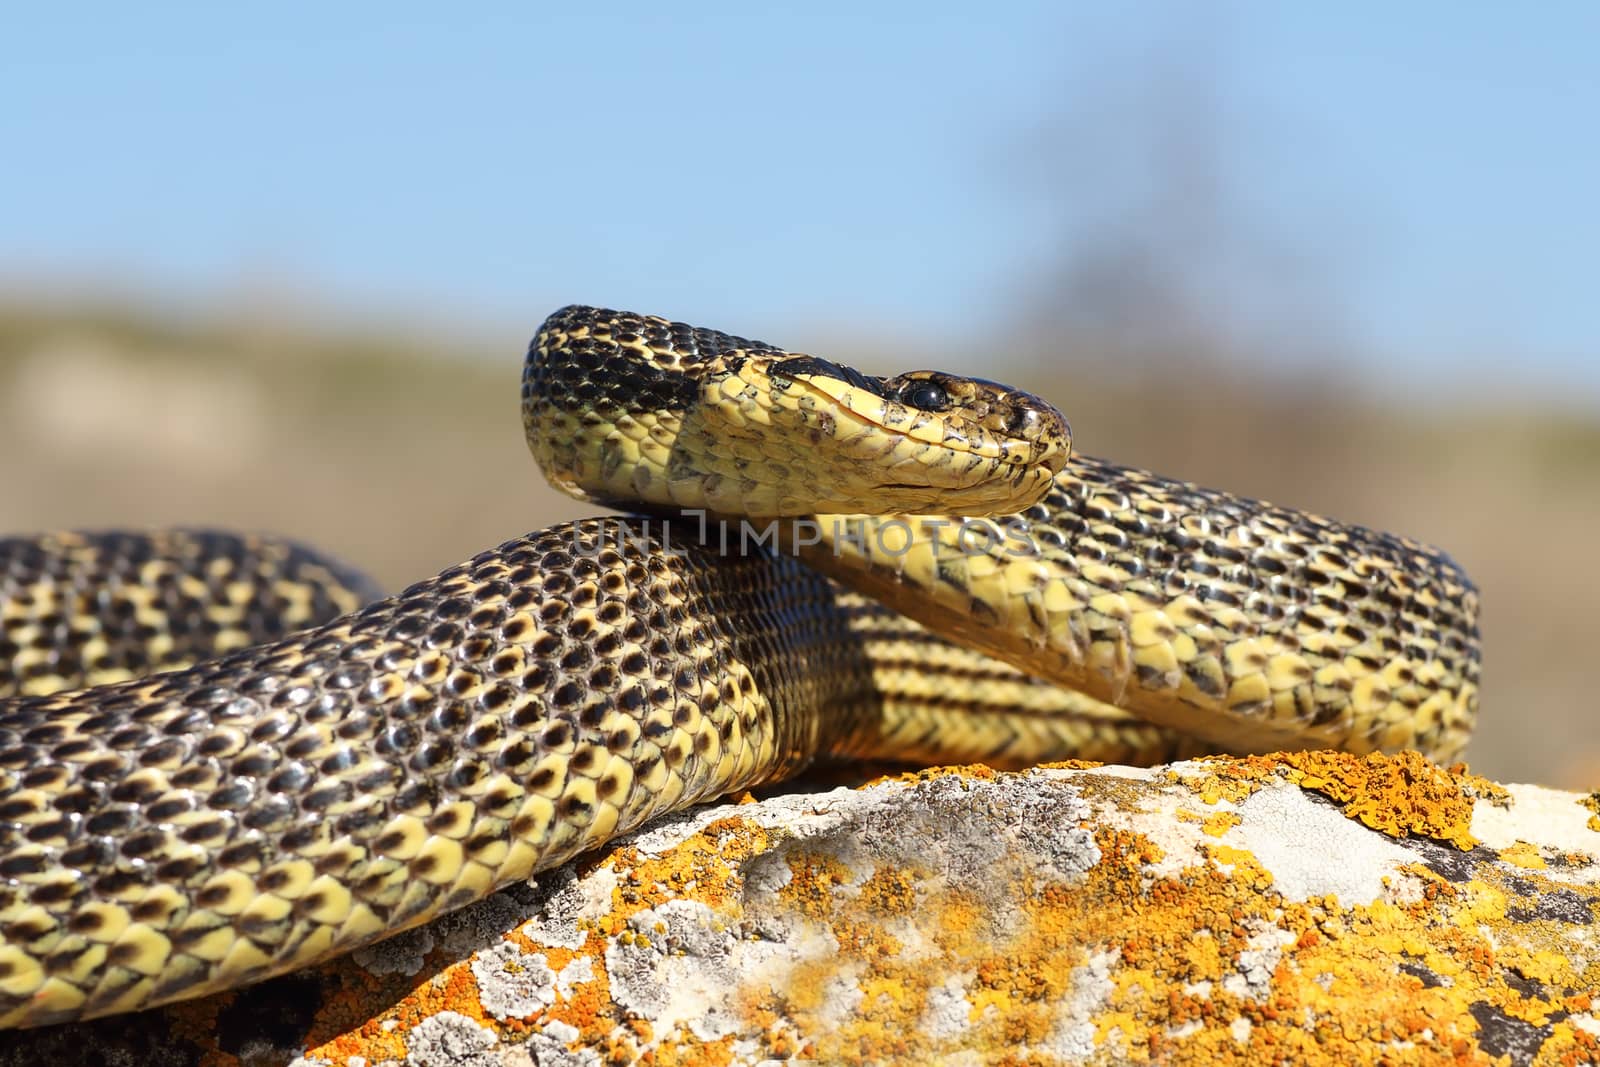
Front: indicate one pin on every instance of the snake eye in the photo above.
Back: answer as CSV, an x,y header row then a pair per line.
x,y
925,395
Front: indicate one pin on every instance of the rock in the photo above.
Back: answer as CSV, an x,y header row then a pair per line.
x,y
1305,908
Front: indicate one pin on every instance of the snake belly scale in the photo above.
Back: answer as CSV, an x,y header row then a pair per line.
x,y
168,836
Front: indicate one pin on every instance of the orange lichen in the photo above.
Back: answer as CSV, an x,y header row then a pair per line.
x,y
814,875
1183,946
1522,854
913,775
1400,795
1145,956
889,892
1168,952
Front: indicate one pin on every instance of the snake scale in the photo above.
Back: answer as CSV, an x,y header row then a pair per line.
x,y
326,774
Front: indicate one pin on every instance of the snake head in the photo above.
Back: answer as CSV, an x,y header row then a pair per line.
x,y
632,410
820,437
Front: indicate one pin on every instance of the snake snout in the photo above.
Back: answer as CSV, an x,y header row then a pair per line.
x,y
1007,413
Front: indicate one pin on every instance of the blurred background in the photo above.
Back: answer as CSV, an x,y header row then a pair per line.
x,y
276,270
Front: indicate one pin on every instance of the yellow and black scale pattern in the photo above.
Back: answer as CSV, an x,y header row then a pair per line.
x,y
165,837
84,609
1250,626
200,829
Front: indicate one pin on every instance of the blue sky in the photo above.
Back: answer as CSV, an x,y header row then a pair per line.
x,y
1426,173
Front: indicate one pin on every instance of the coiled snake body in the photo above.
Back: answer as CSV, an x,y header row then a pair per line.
x,y
312,791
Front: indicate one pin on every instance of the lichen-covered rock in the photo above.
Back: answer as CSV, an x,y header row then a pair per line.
x,y
1308,908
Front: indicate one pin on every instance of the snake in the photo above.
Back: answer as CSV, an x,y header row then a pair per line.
x,y
225,757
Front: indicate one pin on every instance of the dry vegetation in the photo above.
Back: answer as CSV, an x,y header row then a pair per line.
x,y
406,456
